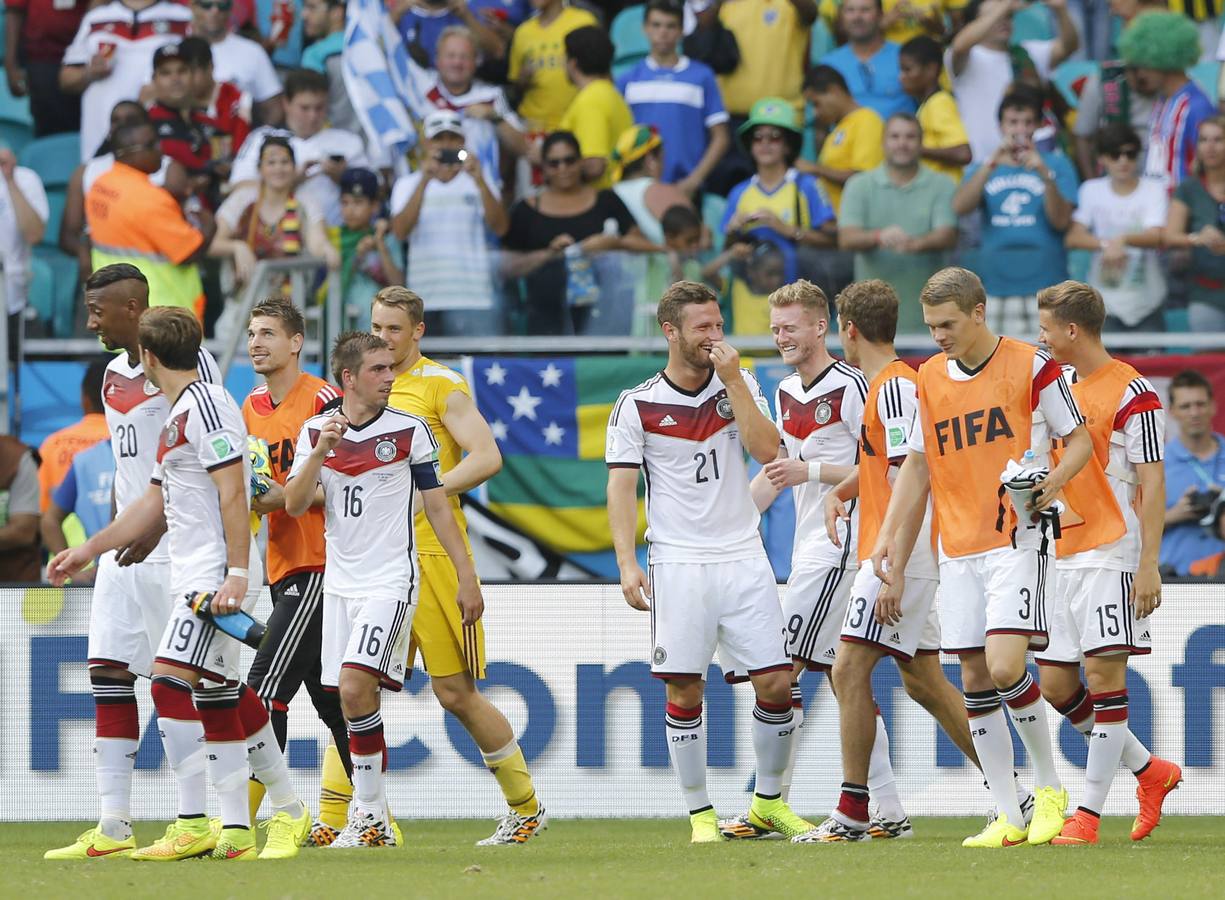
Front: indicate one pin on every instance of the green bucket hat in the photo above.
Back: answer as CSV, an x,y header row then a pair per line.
x,y
771,111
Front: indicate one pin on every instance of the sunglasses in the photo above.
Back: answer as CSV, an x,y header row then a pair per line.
x,y
768,137
558,161
215,4
1125,153
139,148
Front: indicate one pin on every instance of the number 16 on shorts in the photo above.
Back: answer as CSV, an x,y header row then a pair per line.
x,y
367,634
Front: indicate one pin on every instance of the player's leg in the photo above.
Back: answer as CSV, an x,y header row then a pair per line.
x,y
857,715
336,771
454,656
226,744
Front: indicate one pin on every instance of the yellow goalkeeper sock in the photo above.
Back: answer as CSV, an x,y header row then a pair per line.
x,y
335,790
255,796
510,769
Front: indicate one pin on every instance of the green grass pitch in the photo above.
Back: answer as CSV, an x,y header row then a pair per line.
x,y
644,859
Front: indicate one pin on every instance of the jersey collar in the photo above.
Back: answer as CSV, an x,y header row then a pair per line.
x,y
680,390
982,365
369,421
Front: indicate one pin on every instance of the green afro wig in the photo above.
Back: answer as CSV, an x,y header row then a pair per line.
x,y
1168,42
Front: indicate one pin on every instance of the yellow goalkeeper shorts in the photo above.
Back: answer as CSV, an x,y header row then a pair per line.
x,y
447,646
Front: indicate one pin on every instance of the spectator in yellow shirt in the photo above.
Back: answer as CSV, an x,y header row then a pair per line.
x,y
946,146
538,62
855,133
597,115
902,19
773,39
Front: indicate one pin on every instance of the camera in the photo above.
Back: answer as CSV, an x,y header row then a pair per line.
x,y
1201,501
452,157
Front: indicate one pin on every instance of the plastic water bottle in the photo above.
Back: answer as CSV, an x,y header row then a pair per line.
x,y
1028,459
581,287
237,625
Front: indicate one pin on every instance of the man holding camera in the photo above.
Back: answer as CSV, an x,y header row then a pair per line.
x,y
443,209
1194,473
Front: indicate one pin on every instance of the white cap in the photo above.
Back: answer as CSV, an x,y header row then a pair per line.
x,y
442,121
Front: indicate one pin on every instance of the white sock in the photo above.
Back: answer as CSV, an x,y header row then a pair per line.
x,y
1023,793
368,785
1079,711
881,785
1028,712
227,767
686,735
1105,749
993,743
114,759
267,762
797,721
773,734
183,742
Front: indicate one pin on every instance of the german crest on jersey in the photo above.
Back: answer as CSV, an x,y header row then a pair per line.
x,y
172,433
824,412
724,408
385,451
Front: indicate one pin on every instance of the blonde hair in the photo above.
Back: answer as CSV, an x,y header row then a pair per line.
x,y
802,293
872,306
401,298
1075,303
956,285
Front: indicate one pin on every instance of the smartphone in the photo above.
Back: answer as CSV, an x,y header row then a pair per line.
x,y
452,157
337,157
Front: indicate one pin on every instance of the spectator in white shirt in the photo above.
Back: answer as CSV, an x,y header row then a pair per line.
x,y
322,154
23,217
111,58
1121,218
445,211
238,59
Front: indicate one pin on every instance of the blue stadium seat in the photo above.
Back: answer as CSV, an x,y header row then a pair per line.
x,y
821,41
713,207
1032,23
1205,75
54,158
64,287
14,109
15,135
42,290
629,42
1068,73
56,198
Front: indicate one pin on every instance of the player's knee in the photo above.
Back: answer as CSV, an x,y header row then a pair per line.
x,y
111,673
918,688
852,668
1006,672
358,696
773,687
688,693
455,696
1102,680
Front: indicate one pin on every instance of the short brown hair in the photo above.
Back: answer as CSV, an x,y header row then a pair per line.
x,y
680,295
349,349
173,335
872,306
283,311
1075,303
401,298
956,285
805,294
1189,379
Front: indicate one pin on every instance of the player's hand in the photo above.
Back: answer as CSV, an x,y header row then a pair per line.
x,y
835,509
1146,591
726,361
229,596
140,548
67,563
635,587
331,433
889,600
785,473
269,501
882,556
1046,492
471,603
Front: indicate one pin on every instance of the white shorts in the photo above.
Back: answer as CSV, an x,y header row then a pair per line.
x,y
1092,615
128,614
917,632
814,607
190,642
729,606
1000,592
371,635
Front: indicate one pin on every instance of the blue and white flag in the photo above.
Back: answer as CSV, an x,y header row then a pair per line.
x,y
377,76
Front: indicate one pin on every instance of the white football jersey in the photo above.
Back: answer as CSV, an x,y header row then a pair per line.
x,y
820,422
897,406
135,411
699,508
369,482
204,432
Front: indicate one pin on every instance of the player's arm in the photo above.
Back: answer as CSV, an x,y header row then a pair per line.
x,y
623,523
52,526
762,489
482,459
142,516
757,432
1076,453
1063,418
903,518
302,487
438,512
835,504
1146,588
230,481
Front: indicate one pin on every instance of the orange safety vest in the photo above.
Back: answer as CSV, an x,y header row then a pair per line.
x,y
971,429
1088,494
874,486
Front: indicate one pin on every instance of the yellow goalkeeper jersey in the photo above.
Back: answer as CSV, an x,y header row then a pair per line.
x,y
423,391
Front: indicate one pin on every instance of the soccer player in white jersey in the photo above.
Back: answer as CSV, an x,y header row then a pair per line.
x,y
983,401
199,489
1106,580
371,460
131,596
710,584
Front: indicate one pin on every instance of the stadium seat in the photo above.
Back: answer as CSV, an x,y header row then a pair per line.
x,y
713,207
1068,74
1205,75
14,109
1032,23
64,288
628,40
54,158
41,296
821,41
56,199
15,135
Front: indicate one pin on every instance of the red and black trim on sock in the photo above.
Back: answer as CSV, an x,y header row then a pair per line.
x,y
1022,694
853,802
366,735
1077,709
981,703
116,714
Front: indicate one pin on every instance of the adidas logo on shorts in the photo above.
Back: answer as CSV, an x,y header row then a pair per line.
x,y
895,638
666,421
292,591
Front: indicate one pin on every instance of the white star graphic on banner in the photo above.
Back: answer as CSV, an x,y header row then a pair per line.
x,y
499,429
551,376
553,433
525,403
495,374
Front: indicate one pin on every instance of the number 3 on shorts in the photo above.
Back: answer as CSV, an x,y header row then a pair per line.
x,y
1025,597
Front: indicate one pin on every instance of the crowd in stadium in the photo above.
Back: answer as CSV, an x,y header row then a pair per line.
x,y
571,161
